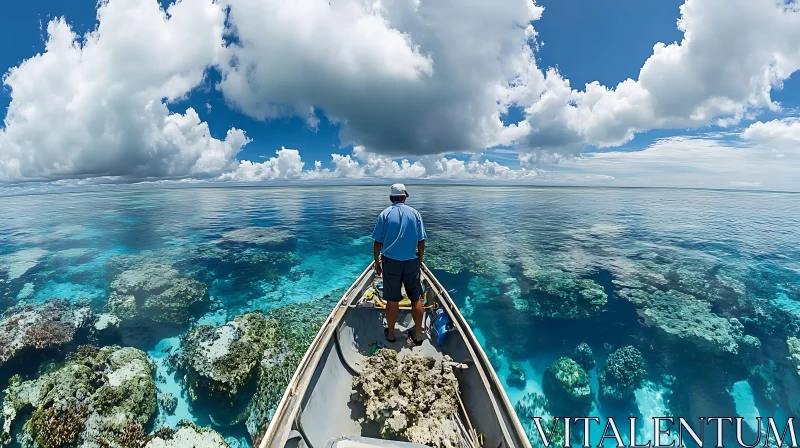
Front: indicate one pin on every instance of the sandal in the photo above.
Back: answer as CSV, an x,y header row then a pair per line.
x,y
386,333
412,339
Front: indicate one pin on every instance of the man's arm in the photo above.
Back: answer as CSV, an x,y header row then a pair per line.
x,y
376,253
378,235
421,236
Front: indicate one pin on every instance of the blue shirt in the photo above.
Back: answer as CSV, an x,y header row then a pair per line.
x,y
399,229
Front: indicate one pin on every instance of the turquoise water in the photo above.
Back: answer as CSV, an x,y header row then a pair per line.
x,y
514,259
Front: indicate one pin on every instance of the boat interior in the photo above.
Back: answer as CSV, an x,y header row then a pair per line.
x,y
318,409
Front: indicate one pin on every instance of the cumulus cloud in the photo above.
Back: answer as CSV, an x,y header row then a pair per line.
x,y
364,165
733,53
780,135
94,105
286,164
402,77
439,94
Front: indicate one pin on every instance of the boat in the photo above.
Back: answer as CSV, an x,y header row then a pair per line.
x,y
315,411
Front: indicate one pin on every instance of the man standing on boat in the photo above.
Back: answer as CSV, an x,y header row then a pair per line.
x,y
399,246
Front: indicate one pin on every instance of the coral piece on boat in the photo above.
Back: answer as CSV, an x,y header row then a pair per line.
x,y
187,435
411,398
517,377
51,325
89,402
622,374
158,293
685,317
583,356
567,387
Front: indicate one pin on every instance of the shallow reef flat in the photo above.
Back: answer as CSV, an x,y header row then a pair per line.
x,y
607,302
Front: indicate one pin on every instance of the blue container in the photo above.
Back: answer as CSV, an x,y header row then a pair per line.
x,y
440,324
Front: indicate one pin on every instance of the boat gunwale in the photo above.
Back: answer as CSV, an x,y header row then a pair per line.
x,y
492,383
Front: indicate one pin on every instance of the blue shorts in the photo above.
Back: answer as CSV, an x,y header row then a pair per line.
x,y
405,273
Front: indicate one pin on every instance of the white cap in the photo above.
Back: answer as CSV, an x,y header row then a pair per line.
x,y
399,190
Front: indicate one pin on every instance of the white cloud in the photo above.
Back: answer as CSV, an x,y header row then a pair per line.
x,y
696,161
734,52
363,164
402,77
439,93
92,106
286,165
778,134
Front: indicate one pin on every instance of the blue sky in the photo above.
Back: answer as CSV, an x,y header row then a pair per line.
x,y
599,40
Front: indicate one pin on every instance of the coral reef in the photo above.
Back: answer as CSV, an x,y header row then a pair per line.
x,y
298,324
567,388
17,264
455,253
221,362
794,352
621,375
89,402
703,277
186,435
264,237
484,290
242,264
106,323
238,371
33,328
535,405
158,293
764,379
583,356
274,373
559,294
410,397
168,403
685,317
517,376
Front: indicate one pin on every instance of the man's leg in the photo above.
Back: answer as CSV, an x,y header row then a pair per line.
x,y
392,281
392,311
412,282
417,312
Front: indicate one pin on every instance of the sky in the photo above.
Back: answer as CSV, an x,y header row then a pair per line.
x,y
683,93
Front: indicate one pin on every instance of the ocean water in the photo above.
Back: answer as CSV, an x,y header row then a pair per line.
x,y
519,262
